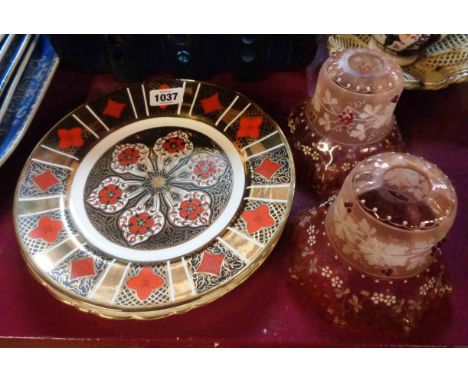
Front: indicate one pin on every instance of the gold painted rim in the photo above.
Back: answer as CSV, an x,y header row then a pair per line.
x,y
200,299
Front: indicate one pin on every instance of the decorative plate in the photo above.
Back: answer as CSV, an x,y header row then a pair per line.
x,y
155,199
439,65
29,86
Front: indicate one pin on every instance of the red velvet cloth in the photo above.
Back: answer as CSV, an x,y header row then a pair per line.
x,y
266,310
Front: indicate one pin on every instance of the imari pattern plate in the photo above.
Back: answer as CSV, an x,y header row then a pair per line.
x,y
154,199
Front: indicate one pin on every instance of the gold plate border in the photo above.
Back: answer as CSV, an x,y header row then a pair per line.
x,y
198,300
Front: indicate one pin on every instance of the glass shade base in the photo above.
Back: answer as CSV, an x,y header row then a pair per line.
x,y
348,297
324,163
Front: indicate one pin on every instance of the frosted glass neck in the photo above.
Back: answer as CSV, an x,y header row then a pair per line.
x,y
390,213
356,94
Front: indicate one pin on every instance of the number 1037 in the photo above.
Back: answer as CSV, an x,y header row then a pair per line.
x,y
165,97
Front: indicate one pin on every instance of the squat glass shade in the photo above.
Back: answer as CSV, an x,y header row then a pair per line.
x,y
371,255
349,118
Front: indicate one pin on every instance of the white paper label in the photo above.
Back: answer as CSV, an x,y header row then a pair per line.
x,y
164,97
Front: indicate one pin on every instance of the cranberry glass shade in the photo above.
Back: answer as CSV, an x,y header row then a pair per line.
x,y
349,118
371,253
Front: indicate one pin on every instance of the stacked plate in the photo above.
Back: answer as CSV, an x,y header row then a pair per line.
x,y
154,199
27,64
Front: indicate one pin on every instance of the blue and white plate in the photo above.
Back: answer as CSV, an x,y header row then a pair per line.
x,y
25,90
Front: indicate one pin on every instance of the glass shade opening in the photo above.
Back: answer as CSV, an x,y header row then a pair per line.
x,y
366,64
407,197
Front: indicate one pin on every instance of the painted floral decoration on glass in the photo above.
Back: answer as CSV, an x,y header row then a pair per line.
x,y
358,120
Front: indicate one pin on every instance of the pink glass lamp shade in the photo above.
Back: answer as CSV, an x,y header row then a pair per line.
x,y
349,118
371,254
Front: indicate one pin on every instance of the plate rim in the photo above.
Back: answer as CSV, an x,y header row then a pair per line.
x,y
174,307
27,123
